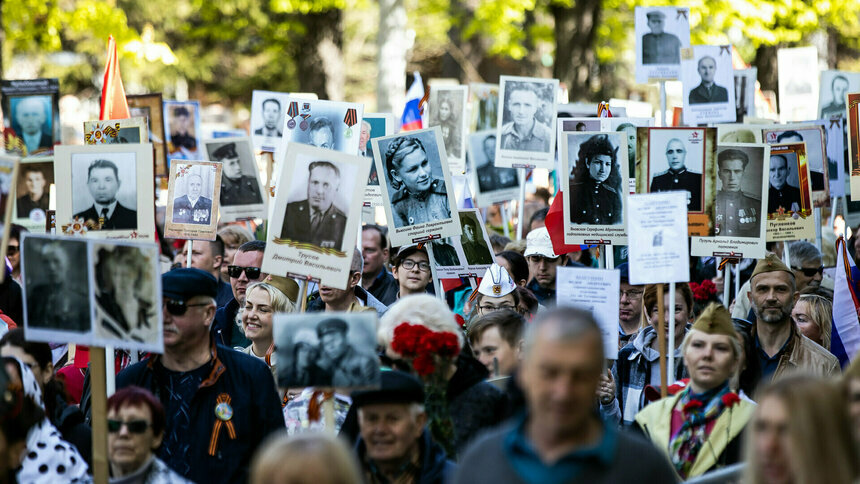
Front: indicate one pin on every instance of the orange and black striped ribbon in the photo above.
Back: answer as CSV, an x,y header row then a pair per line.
x,y
351,117
728,260
216,428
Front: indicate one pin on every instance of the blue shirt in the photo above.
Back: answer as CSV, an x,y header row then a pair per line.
x,y
526,461
768,364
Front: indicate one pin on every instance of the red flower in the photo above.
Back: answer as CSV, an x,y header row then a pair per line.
x,y
692,405
423,365
731,398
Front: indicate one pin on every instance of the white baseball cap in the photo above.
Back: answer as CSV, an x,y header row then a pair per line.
x,y
496,282
539,243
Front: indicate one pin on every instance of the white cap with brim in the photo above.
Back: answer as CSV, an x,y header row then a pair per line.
x,y
496,282
539,243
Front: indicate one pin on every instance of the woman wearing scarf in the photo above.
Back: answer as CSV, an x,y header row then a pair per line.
x,y
700,426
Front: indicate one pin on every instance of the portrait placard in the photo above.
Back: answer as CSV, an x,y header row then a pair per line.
x,y
789,200
316,215
325,124
150,107
741,203
469,254
740,133
242,195
661,33
447,106
492,184
109,193
182,125
115,131
8,180
835,85
595,291
656,222
193,191
572,125
484,103
595,164
326,350
374,125
797,69
31,116
526,138
708,80
418,205
813,136
680,159
628,126
33,192
267,119
853,103
745,88
837,153
125,295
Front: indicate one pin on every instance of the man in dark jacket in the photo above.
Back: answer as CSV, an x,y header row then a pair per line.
x,y
375,278
244,272
353,298
395,445
220,404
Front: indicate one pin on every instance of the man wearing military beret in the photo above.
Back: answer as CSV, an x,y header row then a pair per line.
x,y
659,47
347,366
236,188
316,220
192,208
595,197
738,214
677,177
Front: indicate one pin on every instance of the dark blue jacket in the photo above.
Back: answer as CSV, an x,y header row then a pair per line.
x,y
436,468
224,330
254,400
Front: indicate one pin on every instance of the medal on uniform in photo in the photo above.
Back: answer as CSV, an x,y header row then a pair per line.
x,y
306,113
224,411
292,112
350,120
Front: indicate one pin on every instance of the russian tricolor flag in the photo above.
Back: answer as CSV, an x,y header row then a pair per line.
x,y
845,336
411,118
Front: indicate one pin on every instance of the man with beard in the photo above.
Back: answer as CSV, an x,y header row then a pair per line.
x,y
780,348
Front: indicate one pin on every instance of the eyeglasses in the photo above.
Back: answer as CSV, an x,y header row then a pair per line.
x,y
178,308
409,264
236,272
537,259
11,249
133,426
489,309
631,293
809,271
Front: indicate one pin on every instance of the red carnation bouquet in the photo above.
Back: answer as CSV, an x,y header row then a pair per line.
x,y
703,292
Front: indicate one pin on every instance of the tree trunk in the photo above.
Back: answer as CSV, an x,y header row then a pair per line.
x,y
463,57
575,31
319,55
392,45
765,61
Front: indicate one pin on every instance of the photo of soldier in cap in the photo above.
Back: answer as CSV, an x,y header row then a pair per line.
x,y
595,179
658,46
239,178
55,285
661,34
316,219
738,203
475,248
183,126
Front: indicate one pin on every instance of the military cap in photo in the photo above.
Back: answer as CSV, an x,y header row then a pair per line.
x,y
395,387
715,319
496,282
771,263
331,325
183,284
289,287
655,13
226,151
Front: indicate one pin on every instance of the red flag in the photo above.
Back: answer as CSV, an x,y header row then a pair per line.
x,y
555,226
114,104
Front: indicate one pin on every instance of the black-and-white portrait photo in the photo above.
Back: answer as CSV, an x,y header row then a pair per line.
x,y
595,180
193,191
528,116
373,126
318,203
445,252
661,33
676,162
745,85
268,119
474,245
629,130
33,189
784,184
707,91
415,176
659,46
324,124
128,304
32,122
813,136
326,350
490,177
105,189
273,121
55,285
183,129
484,99
240,183
739,199
448,111
834,86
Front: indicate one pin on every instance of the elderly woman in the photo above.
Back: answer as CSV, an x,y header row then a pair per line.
x,y
595,184
813,316
262,301
419,197
699,427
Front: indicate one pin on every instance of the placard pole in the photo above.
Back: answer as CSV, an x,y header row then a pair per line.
x,y
99,415
786,258
737,280
663,104
610,257
670,355
727,285
303,297
661,339
601,258
817,214
190,249
110,373
328,415
521,202
504,213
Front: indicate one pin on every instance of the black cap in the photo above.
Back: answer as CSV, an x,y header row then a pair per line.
x,y
226,151
330,326
625,271
395,387
183,284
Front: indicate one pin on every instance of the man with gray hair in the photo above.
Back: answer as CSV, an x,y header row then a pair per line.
x,y
317,220
806,264
561,438
353,298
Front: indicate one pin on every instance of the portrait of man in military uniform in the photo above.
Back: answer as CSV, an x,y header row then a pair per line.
x,y
345,365
595,184
491,177
193,208
183,143
836,107
678,177
271,119
813,151
474,246
316,220
57,296
444,253
738,213
417,188
779,193
36,191
522,129
658,46
237,188
708,92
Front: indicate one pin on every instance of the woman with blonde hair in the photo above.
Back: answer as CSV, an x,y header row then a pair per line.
x,y
800,433
314,457
813,315
262,301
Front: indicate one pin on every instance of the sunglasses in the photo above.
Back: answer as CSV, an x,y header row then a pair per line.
x,y
810,272
11,249
133,426
178,308
236,272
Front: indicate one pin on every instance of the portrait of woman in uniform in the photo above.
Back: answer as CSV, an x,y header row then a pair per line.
x,y
416,182
595,180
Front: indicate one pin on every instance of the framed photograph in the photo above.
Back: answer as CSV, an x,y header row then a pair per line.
x,y
125,295
150,107
595,165
33,189
708,78
661,33
241,195
466,255
745,86
31,115
484,103
447,106
316,215
192,200
56,302
526,138
741,203
492,184
813,136
835,85
325,124
853,124
267,119
182,125
572,125
418,204
115,131
629,127
836,149
374,125
326,350
797,69
110,190
681,159
789,199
